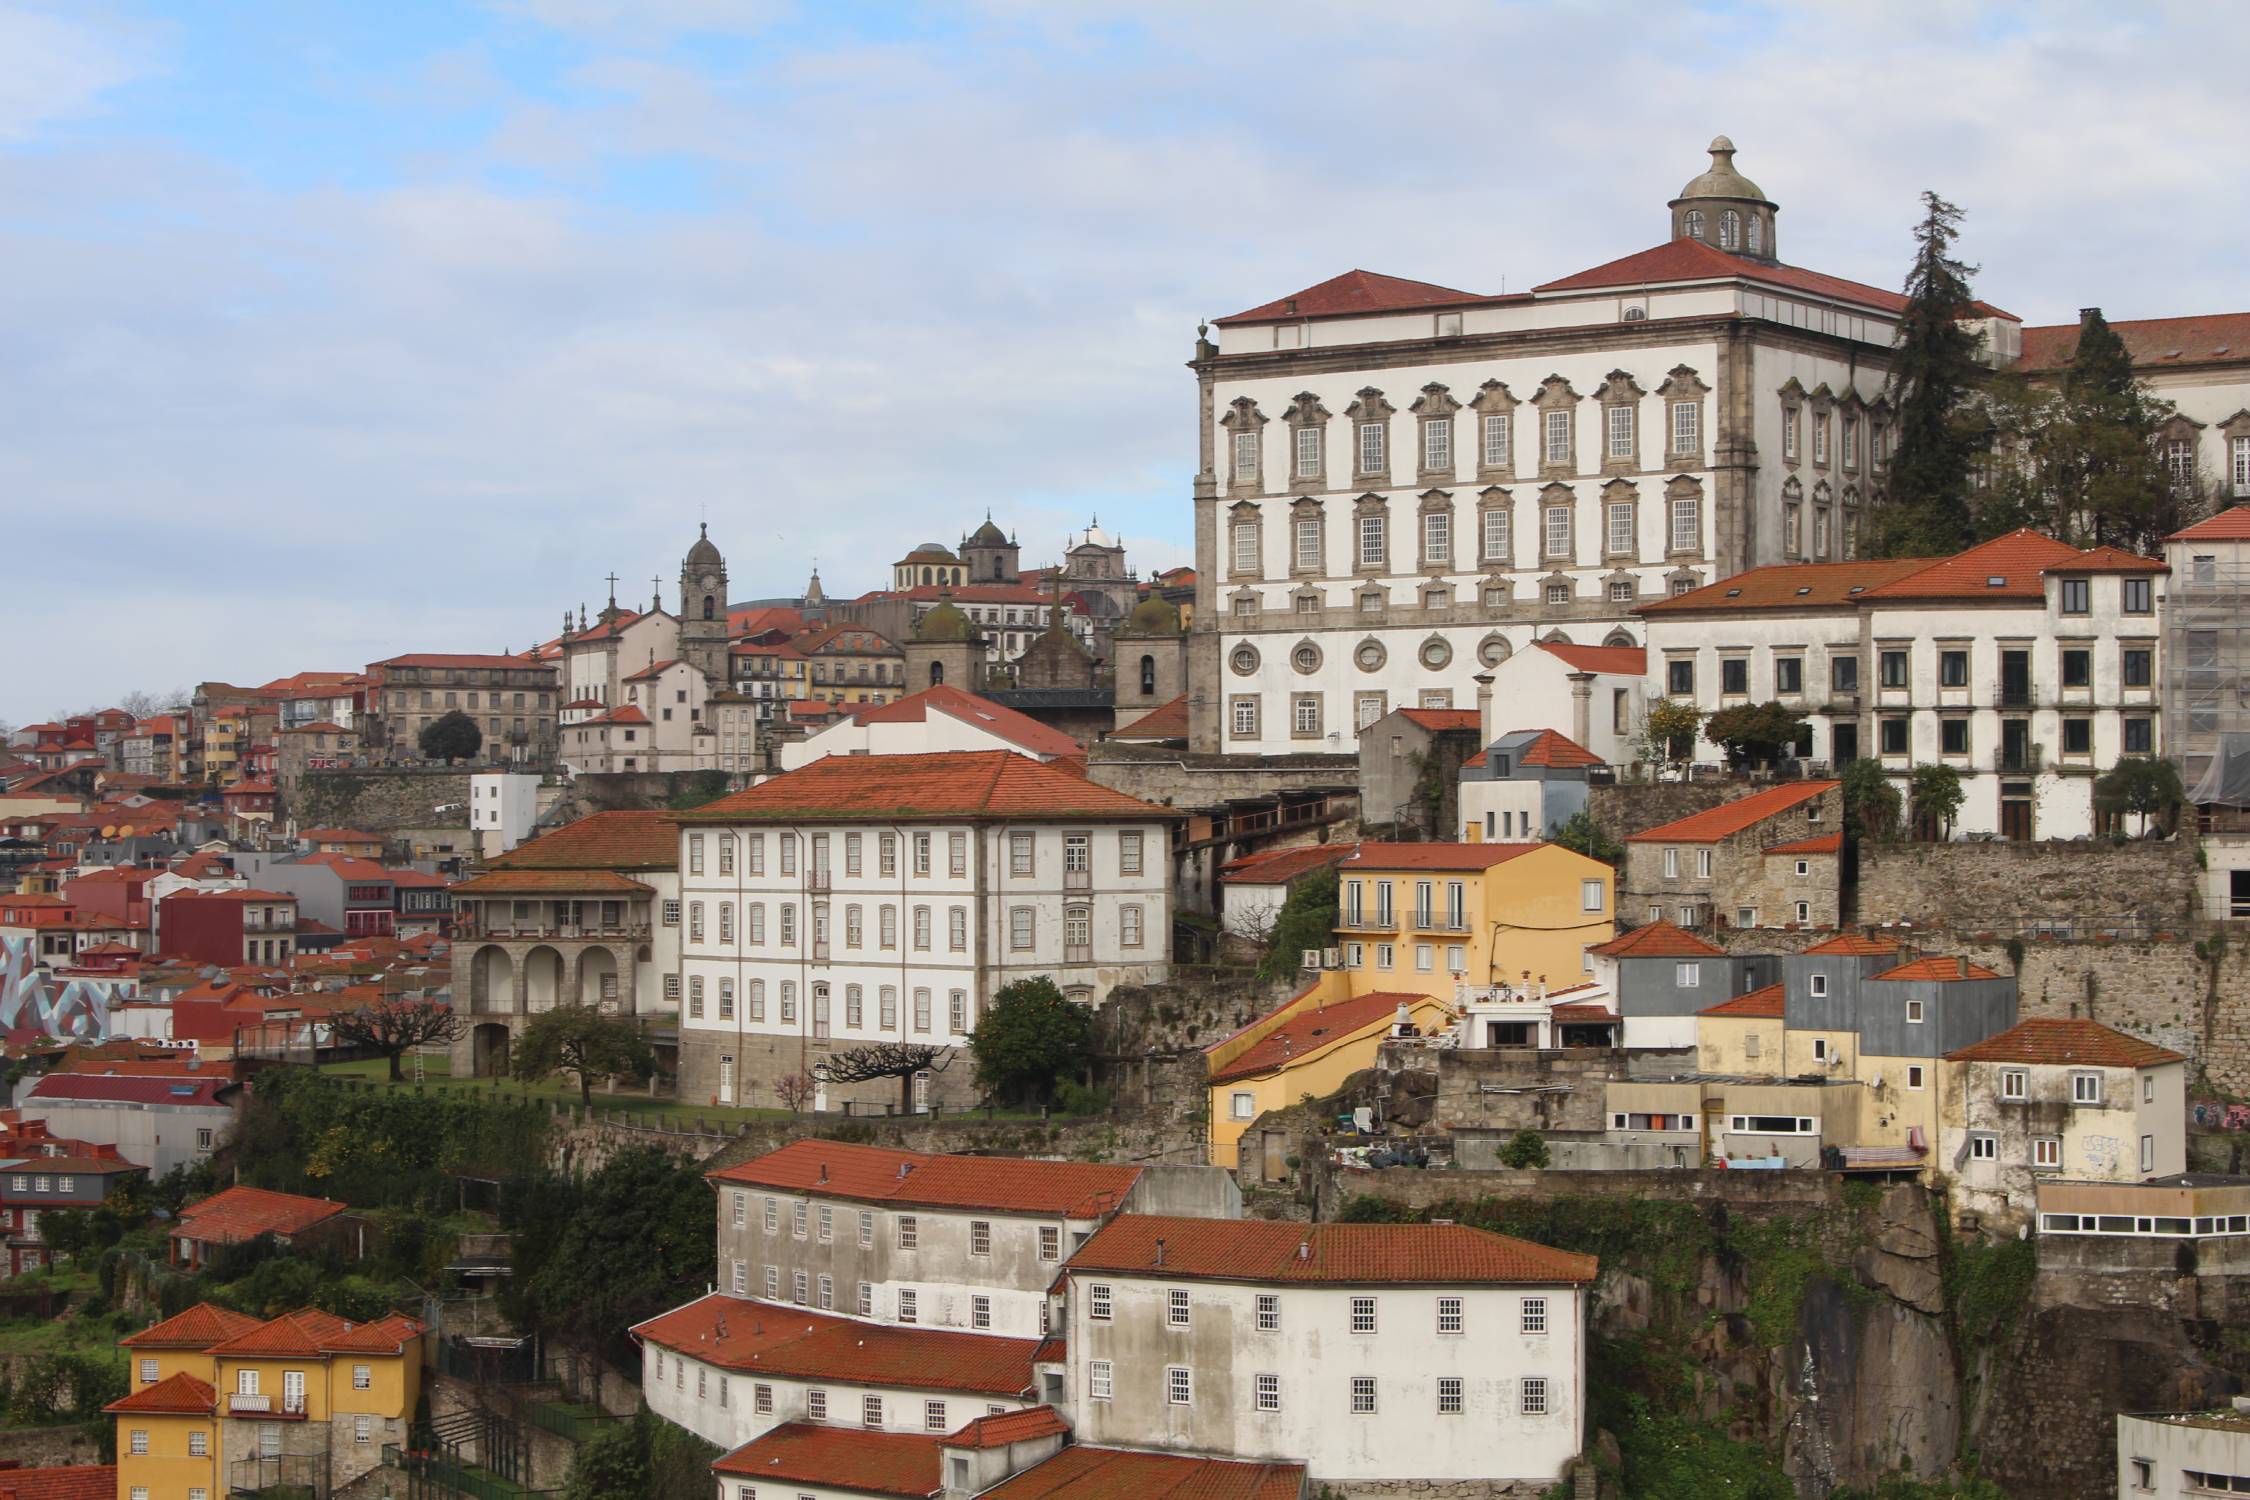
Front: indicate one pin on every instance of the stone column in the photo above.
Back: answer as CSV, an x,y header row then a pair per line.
x,y
1582,706
1485,731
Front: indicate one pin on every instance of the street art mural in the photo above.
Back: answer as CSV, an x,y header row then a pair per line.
x,y
33,1005
2217,1114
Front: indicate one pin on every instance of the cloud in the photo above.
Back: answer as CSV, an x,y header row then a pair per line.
x,y
59,66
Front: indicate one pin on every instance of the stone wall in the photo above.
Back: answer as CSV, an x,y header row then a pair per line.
x,y
1742,874
389,800
1626,807
1183,778
1740,1191
41,1447
1998,885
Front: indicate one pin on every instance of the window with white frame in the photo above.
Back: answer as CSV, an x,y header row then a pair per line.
x,y
1268,1392
1620,431
1098,1380
1098,1301
1558,531
1437,443
1437,537
1534,1396
1496,539
1558,437
1308,452
1449,1315
1495,435
2046,1152
1246,547
1687,418
1176,1307
1246,455
2085,1088
1179,1386
1620,514
1449,1395
1363,1395
871,1411
1534,1315
2015,1083
1371,457
1687,524
1371,541
1363,1315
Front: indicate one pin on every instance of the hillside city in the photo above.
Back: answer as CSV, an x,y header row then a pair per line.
x,y
1659,912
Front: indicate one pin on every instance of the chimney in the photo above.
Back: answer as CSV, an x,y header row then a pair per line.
x,y
1963,961
1304,1249
1160,1252
903,1169
1484,706
2087,315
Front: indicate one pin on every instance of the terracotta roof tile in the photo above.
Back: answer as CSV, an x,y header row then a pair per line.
x,y
2019,561
738,1333
877,1174
2229,525
2065,1040
1354,292
181,1395
452,659
61,1482
1937,969
1581,1014
2153,343
983,713
199,1327
1083,1473
842,1458
1658,939
1760,1005
305,1332
1856,945
1826,843
1379,856
1546,748
950,784
1168,721
1791,586
1730,818
1613,661
1696,260
1308,1031
243,1213
598,882
1280,866
100,1086
2110,560
1009,1427
1438,720
1273,1250
631,840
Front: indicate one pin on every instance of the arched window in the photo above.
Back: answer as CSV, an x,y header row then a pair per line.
x,y
1148,676
927,577
1755,240
1692,222
1730,230
710,606
937,673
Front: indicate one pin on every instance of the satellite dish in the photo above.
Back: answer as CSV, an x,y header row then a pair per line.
x,y
109,830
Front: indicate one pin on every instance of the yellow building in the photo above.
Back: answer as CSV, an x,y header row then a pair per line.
x,y
223,1401
1426,917
1306,1047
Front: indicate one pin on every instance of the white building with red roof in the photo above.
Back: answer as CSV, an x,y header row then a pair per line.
x,y
1590,695
939,718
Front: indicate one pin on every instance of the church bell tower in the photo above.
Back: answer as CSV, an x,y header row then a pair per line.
x,y
703,610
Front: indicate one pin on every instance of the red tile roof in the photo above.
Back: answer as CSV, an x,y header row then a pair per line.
x,y
2111,560
1437,720
349,867
1083,1473
2062,1039
1377,856
452,659
1658,939
950,784
1939,969
599,882
1581,1014
243,1213
162,1090
2229,525
1276,1250
1759,1005
1614,661
179,1395
1826,843
2020,561
877,1174
1354,292
632,840
2153,343
1730,818
1280,866
199,1327
983,713
844,1458
1791,586
628,715
304,1333
1308,1031
1855,945
60,1482
1168,721
738,1333
1547,748
1009,1427
1696,260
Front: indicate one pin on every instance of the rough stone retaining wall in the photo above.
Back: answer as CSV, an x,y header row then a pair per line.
x,y
1629,807
39,1447
1995,884
1422,1189
381,801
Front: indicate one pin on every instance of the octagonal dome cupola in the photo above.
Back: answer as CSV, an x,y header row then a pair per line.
x,y
1725,209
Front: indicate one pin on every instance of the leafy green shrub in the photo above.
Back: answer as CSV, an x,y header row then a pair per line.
x,y
1526,1148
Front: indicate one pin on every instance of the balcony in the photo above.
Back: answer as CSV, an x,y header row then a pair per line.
x,y
2007,693
1429,921
243,1403
1363,921
2020,760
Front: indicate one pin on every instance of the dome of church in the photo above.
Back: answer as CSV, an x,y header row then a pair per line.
x,y
988,535
703,553
1722,180
1095,536
1153,616
945,623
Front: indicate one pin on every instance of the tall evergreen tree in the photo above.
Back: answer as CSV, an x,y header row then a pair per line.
x,y
2125,499
1926,512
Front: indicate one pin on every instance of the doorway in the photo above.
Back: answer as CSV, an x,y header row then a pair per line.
x,y
2015,811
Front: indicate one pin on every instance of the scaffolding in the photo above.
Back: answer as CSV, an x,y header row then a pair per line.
x,y
2207,668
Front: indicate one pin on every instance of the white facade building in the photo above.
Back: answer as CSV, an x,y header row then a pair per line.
x,y
2177,1455
865,900
936,719
503,807
1591,695
1368,1352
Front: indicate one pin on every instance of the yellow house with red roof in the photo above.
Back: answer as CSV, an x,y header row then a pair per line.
x,y
1305,1048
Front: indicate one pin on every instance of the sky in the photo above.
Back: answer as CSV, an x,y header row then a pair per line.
x,y
332,330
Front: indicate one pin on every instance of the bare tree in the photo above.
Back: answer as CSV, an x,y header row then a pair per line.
x,y
900,1060
794,1090
394,1025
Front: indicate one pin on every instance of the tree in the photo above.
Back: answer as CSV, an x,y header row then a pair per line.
x,y
450,737
1668,729
1031,1035
1755,732
1307,920
2145,785
1526,1148
1924,511
1870,801
633,1240
2080,461
641,1457
581,1040
900,1060
393,1026
795,1090
1589,838
1934,793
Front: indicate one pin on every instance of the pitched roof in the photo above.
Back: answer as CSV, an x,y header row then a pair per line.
x,y
993,718
1354,292
1437,720
1082,1473
2158,343
1658,939
503,882
181,1395
60,1482
844,1458
1614,661
2229,525
1759,1005
2064,1039
304,1332
1007,1427
199,1327
1730,818
1380,856
740,1333
947,784
1544,748
452,659
1855,945
2013,566
2107,559
110,1089
878,1174
629,714
1168,721
1278,1250
1280,866
1309,1031
243,1213
1937,968
1698,260
1791,586
1826,843
629,840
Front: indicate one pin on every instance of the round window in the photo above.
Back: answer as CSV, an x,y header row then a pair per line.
x,y
1306,658
1492,650
1436,653
1370,656
1244,660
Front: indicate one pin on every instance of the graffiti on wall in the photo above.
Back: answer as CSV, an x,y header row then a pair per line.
x,y
2212,1114
33,1005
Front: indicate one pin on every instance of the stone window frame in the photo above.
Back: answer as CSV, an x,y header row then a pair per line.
x,y
2235,429
1436,596
1437,645
1242,596
2177,428
1237,665
1369,407
1683,487
1380,697
1242,417
1492,583
1302,645
1319,717
1436,405
1235,703
1684,387
1820,405
1822,539
1359,654
1879,421
1246,513
1851,414
1793,399
1376,592
1613,578
1490,499
1555,395
1493,399
1792,518
1621,492
1486,656
1619,390
1552,497
1674,580
1435,503
1558,576
1303,413
1302,592
1366,506
1301,510
1620,636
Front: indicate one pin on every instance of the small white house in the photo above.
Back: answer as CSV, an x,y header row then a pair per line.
x,y
935,719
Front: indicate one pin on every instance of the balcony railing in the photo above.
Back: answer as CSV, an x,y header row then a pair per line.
x,y
1366,921
265,1405
2022,760
2006,694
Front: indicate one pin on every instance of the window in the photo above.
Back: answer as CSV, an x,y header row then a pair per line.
x,y
363,1428
1496,540
1620,432
1307,531
1558,437
1246,547
363,1377
1984,1147
1448,1315
1269,1312
1687,524
1308,452
1176,1307
199,1445
1371,448
2085,1088
1437,443
1363,1314
1892,665
695,997
148,1372
933,1417
1246,455
1558,531
1952,670
1620,536
1179,1386
1789,432
2015,1083
1098,1381
138,1442
1268,1392
1449,1395
2078,736
2077,596
870,1411
1953,736
1534,1395
866,1299
1686,428
1679,677
909,1308
1097,1302
908,1232
800,1287
2139,595
1363,1395
1687,976
1437,538
2148,1153
2077,668
2137,667
1371,541
2046,1152
1495,440
1914,1012
1914,1076
1843,674
1890,736
1734,677
1789,675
